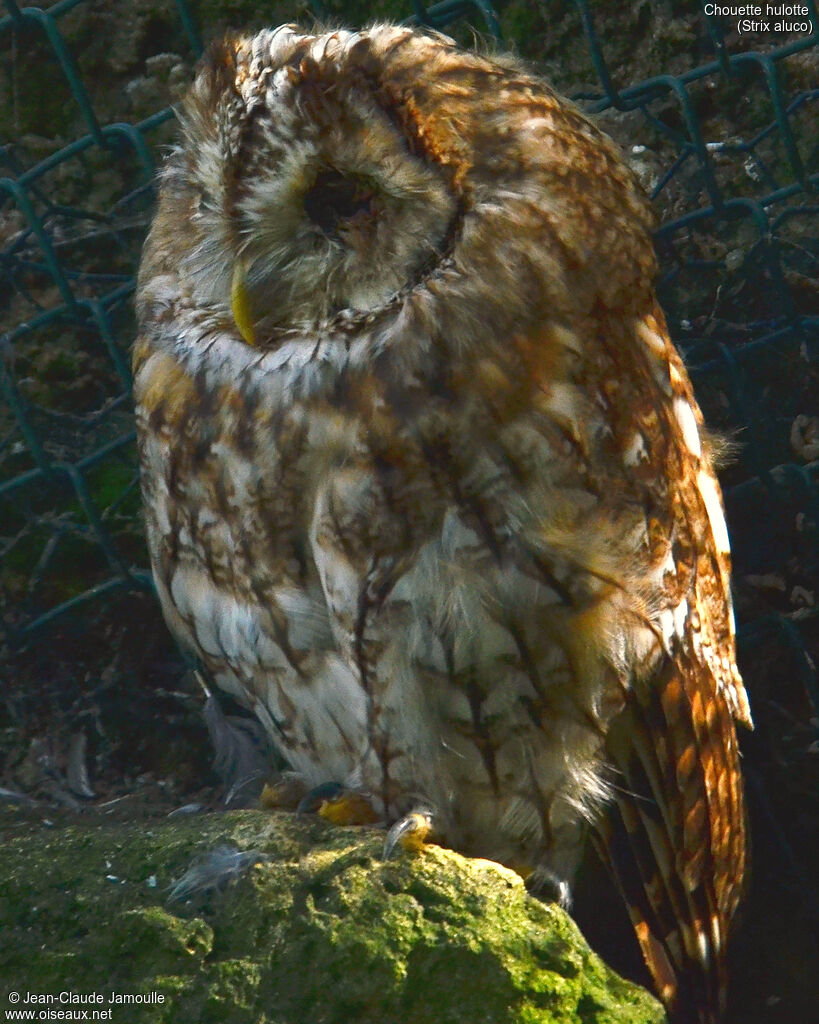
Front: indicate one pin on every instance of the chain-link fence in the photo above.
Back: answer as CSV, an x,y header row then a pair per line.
x,y
728,152
719,121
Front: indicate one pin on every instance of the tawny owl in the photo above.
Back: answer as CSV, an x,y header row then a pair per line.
x,y
425,481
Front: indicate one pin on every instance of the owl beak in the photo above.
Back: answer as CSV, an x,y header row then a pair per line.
x,y
240,303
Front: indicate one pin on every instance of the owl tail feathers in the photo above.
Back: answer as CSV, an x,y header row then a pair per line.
x,y
691,989
664,840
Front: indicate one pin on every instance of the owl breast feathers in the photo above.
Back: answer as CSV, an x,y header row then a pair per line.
x,y
426,485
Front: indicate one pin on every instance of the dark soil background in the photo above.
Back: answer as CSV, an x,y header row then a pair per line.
x,y
99,715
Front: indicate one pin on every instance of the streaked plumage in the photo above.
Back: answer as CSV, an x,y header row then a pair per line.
x,y
425,481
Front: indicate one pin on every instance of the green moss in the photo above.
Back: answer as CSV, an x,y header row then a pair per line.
x,y
319,930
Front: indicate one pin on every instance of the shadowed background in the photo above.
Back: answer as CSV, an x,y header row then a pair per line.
x,y
97,708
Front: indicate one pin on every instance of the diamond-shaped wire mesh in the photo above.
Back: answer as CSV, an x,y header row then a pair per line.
x,y
727,149
720,126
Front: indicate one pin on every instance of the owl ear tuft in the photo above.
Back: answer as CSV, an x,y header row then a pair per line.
x,y
215,81
217,66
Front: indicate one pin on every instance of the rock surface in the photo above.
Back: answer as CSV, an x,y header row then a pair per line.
x,y
308,926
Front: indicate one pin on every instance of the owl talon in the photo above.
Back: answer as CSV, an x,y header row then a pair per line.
x,y
338,804
411,832
550,887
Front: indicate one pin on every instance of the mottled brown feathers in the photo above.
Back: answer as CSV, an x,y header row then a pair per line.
x,y
442,512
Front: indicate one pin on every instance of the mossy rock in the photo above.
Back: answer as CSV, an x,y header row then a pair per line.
x,y
316,929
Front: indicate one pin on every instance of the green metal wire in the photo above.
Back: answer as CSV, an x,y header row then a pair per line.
x,y
47,21
50,460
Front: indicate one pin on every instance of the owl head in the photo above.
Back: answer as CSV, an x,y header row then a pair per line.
x,y
386,168
313,182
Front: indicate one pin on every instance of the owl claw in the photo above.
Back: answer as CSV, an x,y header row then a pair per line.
x,y
411,832
338,804
550,887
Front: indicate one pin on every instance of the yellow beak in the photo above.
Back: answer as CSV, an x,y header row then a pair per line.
x,y
240,304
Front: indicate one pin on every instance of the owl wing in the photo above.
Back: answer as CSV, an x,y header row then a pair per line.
x,y
674,836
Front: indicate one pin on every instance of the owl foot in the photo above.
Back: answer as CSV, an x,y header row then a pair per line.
x,y
411,832
339,805
285,793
